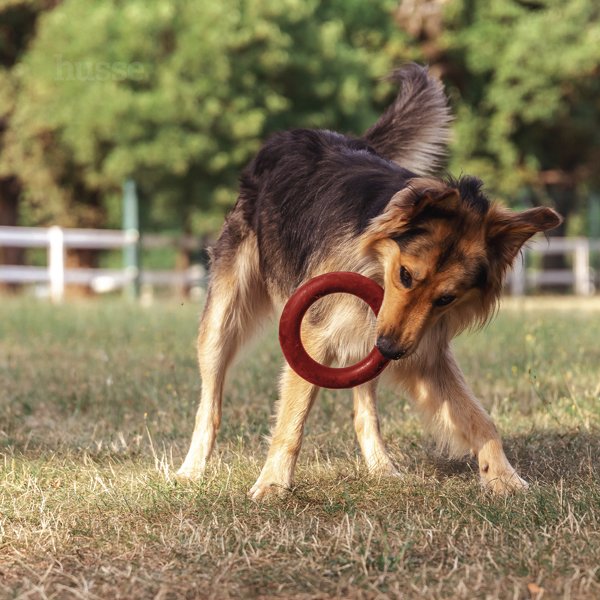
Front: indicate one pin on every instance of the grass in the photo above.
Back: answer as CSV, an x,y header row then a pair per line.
x,y
96,409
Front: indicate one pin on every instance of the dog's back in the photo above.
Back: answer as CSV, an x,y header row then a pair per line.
x,y
308,190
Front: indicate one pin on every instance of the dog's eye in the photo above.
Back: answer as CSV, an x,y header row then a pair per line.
x,y
444,300
405,278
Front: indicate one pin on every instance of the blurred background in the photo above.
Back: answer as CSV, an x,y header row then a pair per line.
x,y
124,124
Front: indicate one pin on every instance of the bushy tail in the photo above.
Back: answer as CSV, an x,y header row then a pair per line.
x,y
414,130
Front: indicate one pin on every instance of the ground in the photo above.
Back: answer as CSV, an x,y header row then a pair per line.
x,y
96,409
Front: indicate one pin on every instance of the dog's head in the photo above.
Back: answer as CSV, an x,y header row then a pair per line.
x,y
444,250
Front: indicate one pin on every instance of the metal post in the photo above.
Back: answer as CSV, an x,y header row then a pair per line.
x,y
594,233
594,216
131,262
56,263
581,267
518,277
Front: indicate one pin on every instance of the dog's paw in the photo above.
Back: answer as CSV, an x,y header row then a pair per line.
x,y
384,469
191,472
265,489
503,482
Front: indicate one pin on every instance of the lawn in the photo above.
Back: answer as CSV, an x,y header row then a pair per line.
x,y
96,409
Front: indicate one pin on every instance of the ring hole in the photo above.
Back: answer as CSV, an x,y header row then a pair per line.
x,y
328,311
290,326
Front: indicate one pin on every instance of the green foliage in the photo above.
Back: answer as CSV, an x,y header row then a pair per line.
x,y
526,77
18,21
180,94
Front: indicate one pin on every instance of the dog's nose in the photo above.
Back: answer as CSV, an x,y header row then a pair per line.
x,y
388,348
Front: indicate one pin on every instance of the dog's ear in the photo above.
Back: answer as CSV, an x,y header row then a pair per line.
x,y
507,231
420,200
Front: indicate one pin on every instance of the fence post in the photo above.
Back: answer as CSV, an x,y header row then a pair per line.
x,y
56,263
518,277
581,267
594,234
131,251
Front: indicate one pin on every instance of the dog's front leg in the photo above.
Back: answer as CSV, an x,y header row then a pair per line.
x,y
296,399
458,420
366,425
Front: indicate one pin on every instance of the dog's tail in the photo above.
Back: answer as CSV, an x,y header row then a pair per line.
x,y
414,130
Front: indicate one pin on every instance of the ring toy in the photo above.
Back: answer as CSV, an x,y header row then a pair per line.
x,y
291,322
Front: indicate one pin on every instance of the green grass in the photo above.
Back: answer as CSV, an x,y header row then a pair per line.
x,y
96,410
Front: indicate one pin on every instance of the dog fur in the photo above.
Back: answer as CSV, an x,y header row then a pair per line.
x,y
313,202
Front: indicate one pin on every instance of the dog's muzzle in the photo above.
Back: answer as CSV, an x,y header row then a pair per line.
x,y
389,349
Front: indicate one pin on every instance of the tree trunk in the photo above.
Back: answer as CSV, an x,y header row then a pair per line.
x,y
10,191
91,217
182,264
81,258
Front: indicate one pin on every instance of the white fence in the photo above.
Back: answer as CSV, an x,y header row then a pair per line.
x,y
579,277
56,275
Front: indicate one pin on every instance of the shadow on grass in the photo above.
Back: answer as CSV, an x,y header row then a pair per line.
x,y
549,456
541,456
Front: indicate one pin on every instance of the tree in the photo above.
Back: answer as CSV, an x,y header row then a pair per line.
x,y
17,26
179,95
525,77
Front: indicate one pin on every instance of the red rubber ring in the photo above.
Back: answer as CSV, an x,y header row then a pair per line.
x,y
291,322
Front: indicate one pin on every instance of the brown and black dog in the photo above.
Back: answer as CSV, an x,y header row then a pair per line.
x,y
312,202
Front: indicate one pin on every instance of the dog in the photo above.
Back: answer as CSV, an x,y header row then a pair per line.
x,y
315,201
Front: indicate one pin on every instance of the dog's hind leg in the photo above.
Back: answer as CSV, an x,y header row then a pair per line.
x,y
237,300
366,425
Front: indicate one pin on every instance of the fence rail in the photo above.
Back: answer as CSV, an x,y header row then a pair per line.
x,y
58,240
580,277
525,276
38,237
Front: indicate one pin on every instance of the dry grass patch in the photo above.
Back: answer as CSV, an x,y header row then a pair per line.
x,y
96,406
